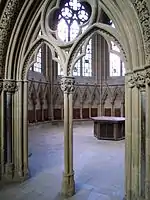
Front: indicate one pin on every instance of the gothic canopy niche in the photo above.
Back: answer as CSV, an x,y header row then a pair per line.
x,y
74,15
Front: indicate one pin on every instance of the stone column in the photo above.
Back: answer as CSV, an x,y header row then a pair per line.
x,y
134,134
99,109
142,146
20,132
147,150
62,113
122,108
112,108
2,118
128,139
9,87
135,142
102,108
14,131
42,108
68,184
81,108
90,110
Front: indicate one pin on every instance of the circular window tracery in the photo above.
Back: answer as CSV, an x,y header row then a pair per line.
x,y
72,17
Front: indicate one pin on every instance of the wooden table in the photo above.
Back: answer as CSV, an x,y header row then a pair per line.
x,y
109,128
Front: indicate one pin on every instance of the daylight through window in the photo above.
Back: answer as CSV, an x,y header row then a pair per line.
x,y
72,15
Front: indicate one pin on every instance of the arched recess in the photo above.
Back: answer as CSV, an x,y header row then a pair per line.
x,y
14,165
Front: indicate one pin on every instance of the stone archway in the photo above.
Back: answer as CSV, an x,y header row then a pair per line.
x,y
14,164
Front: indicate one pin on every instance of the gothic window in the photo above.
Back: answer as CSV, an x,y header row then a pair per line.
x,y
117,67
123,69
60,70
38,64
87,61
116,64
71,17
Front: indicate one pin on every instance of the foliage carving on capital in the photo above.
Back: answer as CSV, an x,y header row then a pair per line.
x,y
10,86
140,80
131,81
137,80
67,84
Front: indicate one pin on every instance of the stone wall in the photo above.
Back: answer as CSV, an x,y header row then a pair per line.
x,y
45,101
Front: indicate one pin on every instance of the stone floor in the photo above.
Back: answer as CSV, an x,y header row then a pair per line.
x,y
98,165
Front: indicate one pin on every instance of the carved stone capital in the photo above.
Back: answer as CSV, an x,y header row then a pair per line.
x,y
147,76
67,84
131,81
10,86
138,80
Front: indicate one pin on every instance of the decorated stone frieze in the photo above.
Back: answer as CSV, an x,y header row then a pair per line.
x,y
10,86
7,22
67,84
144,17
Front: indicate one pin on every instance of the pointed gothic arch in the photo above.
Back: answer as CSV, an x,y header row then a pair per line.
x,y
134,30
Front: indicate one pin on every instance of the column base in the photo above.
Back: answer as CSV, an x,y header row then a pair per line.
x,y
68,185
10,175
134,198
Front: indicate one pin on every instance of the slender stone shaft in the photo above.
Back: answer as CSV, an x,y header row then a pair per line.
x,y
68,185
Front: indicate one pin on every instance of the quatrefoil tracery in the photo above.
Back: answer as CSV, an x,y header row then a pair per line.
x,y
74,13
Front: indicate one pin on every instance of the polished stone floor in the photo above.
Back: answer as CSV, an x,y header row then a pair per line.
x,y
98,165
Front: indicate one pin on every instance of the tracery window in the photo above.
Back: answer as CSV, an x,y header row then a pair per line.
x,y
116,65
71,17
37,66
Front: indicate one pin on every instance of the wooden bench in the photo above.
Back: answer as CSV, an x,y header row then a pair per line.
x,y
109,128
